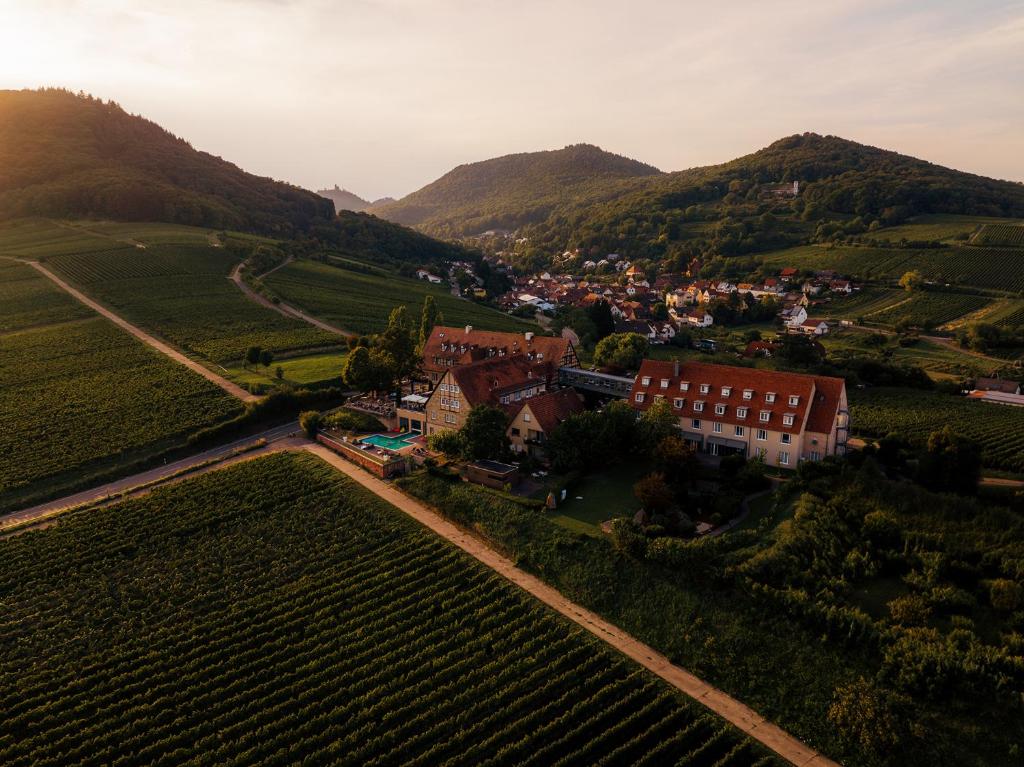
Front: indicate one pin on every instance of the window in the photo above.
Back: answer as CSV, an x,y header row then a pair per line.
x,y
739,431
787,438
645,381
787,419
639,396
726,391
769,397
716,428
741,412
455,404
815,455
684,386
444,387
748,394
695,423
526,417
433,415
794,400
719,409
705,388
678,403
444,402
515,432
453,389
762,435
765,415
783,458
664,383
698,407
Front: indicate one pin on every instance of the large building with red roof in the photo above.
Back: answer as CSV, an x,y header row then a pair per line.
x,y
450,347
782,418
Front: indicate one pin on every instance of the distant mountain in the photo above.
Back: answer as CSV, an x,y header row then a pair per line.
x,y
518,189
68,155
344,199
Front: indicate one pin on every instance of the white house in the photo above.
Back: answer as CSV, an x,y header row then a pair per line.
x,y
814,327
794,316
698,318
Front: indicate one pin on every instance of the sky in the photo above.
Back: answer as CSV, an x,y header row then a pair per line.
x,y
383,96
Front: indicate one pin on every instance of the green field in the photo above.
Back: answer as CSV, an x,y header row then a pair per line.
x,y
297,371
927,309
937,227
79,396
361,302
864,302
994,269
276,612
181,293
1000,236
998,429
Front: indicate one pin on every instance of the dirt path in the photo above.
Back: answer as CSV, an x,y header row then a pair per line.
x,y
231,388
280,308
743,717
949,343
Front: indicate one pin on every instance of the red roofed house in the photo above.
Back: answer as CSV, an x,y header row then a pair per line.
x,y
535,418
450,347
783,418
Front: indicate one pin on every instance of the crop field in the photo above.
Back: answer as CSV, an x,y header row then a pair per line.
x,y
38,238
928,308
996,269
864,302
181,292
938,227
998,429
1000,235
28,299
277,613
361,302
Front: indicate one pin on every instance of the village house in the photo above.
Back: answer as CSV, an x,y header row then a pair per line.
x,y
533,419
794,316
779,418
450,347
812,327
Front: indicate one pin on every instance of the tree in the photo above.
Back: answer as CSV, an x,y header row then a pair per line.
x,y
309,422
654,493
398,342
656,424
279,373
950,463
252,355
430,317
866,717
621,351
676,461
368,370
911,281
799,350
600,313
483,434
447,441
266,357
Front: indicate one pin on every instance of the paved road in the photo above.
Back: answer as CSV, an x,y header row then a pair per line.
x,y
280,308
228,386
276,439
730,709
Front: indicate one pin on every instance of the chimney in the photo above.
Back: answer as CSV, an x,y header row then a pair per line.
x,y
469,329
675,368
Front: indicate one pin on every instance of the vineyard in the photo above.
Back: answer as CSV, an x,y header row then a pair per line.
x,y
181,292
927,308
277,613
998,429
1000,236
361,302
864,302
28,299
986,268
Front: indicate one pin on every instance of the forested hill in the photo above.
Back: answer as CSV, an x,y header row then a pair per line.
x,y
72,156
846,189
508,192
344,199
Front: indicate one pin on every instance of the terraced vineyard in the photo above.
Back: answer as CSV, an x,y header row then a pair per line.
x,y
78,395
361,302
277,613
181,292
999,429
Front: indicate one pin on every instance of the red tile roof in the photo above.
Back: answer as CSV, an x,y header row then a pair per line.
x,y
816,404
551,408
483,383
459,346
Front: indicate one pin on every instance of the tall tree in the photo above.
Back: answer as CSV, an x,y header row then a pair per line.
x,y
399,343
429,319
483,434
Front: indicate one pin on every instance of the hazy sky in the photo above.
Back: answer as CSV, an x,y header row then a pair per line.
x,y
383,96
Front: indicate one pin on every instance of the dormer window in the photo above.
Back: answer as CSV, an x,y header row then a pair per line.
x,y
794,400
726,391
645,381
748,394
684,386
741,412
765,415
769,397
705,388
787,419
698,407
719,409
679,403
664,383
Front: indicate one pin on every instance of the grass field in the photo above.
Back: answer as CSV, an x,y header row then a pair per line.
x,y
297,371
78,396
927,309
181,292
276,612
998,429
994,269
362,302
938,227
599,498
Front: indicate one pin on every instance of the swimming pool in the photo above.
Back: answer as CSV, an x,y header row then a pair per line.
x,y
397,442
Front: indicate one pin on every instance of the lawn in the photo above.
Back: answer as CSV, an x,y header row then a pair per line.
x,y
361,302
296,371
276,612
601,497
